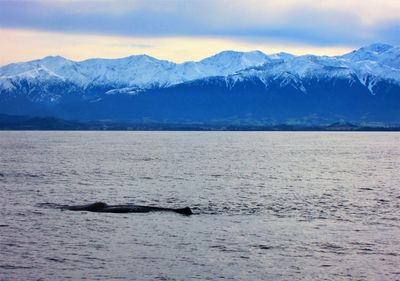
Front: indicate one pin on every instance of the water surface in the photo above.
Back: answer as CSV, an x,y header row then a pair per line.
x,y
269,206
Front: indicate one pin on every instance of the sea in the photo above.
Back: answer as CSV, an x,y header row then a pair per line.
x,y
267,205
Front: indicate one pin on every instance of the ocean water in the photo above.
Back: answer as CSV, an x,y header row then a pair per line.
x,y
268,206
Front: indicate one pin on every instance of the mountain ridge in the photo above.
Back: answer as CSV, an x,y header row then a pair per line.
x,y
244,84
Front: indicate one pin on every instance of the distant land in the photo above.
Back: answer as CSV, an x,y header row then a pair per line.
x,y
23,123
230,90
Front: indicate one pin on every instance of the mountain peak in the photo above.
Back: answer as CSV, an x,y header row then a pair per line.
x,y
236,58
235,54
141,57
370,52
52,58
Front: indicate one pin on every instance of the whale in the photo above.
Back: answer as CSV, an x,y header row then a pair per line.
x,y
102,207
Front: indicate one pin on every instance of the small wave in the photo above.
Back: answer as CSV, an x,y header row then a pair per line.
x,y
24,175
224,248
33,175
146,159
50,206
12,245
10,266
366,188
60,260
392,254
264,247
226,210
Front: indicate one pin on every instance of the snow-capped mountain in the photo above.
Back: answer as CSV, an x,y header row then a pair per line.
x,y
140,71
368,65
377,60
143,86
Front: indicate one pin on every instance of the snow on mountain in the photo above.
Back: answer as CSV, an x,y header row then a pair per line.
x,y
141,70
297,69
368,64
228,62
375,63
372,52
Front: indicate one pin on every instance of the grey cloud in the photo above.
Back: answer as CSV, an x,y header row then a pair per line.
x,y
193,18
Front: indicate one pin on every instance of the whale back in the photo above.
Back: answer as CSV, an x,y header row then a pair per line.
x,y
94,207
98,206
103,207
184,211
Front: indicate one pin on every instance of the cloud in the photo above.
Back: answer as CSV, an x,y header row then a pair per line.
x,y
312,22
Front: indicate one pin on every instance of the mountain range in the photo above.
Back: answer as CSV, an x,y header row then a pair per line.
x,y
228,88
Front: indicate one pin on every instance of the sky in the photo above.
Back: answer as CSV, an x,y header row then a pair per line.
x,y
182,30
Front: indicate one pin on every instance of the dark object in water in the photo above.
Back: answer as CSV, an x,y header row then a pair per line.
x,y
104,208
